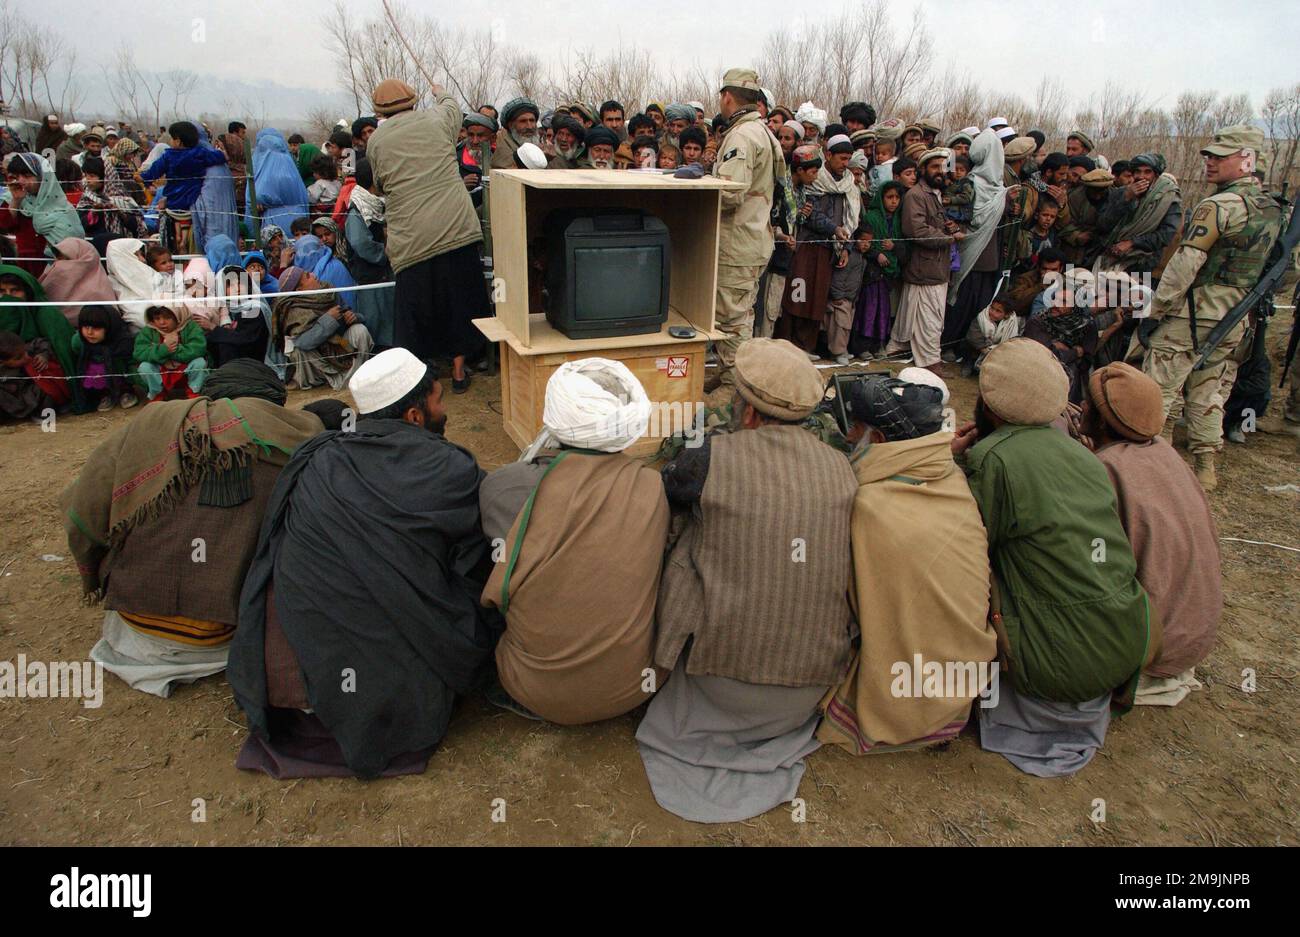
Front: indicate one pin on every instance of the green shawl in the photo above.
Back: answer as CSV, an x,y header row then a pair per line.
x,y
53,217
29,322
886,227
306,153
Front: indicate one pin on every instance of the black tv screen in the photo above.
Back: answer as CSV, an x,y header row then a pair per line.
x,y
607,272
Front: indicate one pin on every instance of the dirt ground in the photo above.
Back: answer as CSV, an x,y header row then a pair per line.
x,y
1219,769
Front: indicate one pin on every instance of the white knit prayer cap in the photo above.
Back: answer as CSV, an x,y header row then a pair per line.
x,y
385,379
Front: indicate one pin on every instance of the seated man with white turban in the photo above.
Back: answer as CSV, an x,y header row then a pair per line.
x,y
920,573
579,531
359,622
753,615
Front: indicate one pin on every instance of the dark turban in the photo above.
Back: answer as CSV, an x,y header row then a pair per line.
x,y
598,135
245,377
898,409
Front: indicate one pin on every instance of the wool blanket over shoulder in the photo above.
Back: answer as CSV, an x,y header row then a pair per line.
x,y
148,466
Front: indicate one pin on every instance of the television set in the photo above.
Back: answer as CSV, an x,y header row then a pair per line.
x,y
607,272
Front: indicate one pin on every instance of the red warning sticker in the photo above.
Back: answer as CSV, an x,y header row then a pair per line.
x,y
677,365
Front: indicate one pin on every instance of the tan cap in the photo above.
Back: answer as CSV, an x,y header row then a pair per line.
x,y
1128,401
391,96
939,152
1232,140
929,125
914,151
777,379
1020,148
1023,383
1097,179
1081,137
741,78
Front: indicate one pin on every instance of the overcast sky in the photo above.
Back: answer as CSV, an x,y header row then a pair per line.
x,y
1162,48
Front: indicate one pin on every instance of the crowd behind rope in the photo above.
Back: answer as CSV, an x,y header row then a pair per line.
x,y
907,552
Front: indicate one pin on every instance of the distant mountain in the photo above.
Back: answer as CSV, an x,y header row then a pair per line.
x,y
258,101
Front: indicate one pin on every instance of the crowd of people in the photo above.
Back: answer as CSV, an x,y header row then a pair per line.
x,y
855,569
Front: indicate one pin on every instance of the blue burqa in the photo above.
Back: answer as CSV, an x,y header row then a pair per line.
x,y
214,211
313,256
276,183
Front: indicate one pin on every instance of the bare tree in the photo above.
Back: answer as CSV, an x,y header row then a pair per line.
x,y
1281,114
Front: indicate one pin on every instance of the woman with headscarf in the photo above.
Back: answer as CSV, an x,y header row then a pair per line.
x,y
33,322
281,196
973,284
272,241
120,164
76,274
135,280
35,210
314,257
213,212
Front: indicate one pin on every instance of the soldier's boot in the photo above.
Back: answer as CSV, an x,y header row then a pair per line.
x,y
1205,471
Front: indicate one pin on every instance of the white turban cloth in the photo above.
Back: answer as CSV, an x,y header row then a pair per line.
x,y
592,403
810,113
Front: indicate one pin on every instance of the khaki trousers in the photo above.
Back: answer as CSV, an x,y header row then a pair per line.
x,y
1169,363
734,313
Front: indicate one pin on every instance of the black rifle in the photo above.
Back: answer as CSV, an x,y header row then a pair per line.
x,y
1295,336
1278,262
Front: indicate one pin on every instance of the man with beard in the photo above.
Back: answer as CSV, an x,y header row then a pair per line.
x,y
677,118
569,137
518,126
750,155
925,274
479,131
434,234
1086,201
1139,226
359,622
601,143
1078,143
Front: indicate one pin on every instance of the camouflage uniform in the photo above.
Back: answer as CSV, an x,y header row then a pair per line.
x,y
1221,257
750,155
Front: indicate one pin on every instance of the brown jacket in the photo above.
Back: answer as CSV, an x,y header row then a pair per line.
x,y
764,592
573,653
929,259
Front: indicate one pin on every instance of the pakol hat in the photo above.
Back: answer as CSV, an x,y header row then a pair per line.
x,y
1023,383
777,379
1097,179
1081,137
1020,148
1128,401
939,152
391,96
385,379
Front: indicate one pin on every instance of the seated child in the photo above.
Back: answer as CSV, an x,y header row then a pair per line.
x,y
669,156
169,353
1039,236
103,350
31,380
959,194
993,326
322,193
160,260
245,320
